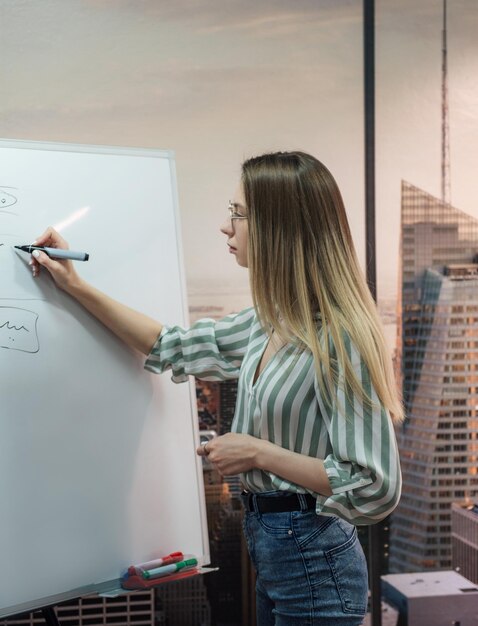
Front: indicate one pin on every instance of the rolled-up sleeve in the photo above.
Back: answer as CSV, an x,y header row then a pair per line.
x,y
363,466
210,350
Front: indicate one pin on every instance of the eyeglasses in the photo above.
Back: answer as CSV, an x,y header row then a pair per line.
x,y
234,214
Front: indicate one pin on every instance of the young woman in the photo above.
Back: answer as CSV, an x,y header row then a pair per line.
x,y
312,435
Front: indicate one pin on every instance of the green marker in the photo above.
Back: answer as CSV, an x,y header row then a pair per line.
x,y
169,569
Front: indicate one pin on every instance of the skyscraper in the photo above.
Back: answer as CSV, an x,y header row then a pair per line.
x,y
216,404
438,354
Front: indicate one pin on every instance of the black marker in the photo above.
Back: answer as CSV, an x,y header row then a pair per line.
x,y
57,253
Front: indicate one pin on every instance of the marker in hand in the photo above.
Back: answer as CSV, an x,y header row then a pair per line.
x,y
57,253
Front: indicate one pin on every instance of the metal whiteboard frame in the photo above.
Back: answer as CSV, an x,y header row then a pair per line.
x,y
107,585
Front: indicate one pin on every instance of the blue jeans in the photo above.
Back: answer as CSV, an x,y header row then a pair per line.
x,y
311,569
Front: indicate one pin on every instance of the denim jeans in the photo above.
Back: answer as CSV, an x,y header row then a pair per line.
x,y
311,570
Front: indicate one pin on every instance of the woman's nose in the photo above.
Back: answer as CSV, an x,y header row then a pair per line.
x,y
226,228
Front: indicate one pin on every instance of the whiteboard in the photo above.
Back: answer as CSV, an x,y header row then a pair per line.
x,y
97,456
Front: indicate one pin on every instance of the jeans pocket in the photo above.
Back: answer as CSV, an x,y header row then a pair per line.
x,y
349,569
275,524
309,528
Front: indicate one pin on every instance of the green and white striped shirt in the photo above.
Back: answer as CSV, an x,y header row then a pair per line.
x,y
286,406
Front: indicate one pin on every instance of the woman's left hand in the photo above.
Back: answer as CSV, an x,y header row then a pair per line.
x,y
235,453
232,453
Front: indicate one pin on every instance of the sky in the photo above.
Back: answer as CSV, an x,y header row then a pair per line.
x,y
217,81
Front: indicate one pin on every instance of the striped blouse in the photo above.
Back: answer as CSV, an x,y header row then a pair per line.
x,y
286,406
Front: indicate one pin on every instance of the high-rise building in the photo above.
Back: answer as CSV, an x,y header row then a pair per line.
x,y
228,600
464,540
185,602
438,354
228,395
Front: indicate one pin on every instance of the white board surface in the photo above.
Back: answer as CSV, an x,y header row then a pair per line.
x,y
97,456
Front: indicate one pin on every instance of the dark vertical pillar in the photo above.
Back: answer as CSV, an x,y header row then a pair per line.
x,y
375,549
50,617
369,111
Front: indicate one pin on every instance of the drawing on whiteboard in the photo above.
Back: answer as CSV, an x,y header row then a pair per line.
x,y
18,329
7,199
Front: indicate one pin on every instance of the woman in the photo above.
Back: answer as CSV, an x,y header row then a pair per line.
x,y
312,435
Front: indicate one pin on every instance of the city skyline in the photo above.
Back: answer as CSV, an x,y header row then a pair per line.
x,y
437,358
219,82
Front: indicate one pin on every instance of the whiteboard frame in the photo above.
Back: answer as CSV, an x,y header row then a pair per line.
x,y
114,584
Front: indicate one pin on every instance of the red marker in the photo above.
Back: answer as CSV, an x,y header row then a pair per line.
x,y
137,570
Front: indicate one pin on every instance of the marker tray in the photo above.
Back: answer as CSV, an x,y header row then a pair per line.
x,y
138,582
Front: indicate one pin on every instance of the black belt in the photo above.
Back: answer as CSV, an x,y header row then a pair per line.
x,y
255,502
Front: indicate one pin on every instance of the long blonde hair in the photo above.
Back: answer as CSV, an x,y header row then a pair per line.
x,y
303,268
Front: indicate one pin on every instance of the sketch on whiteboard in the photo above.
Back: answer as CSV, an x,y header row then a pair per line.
x,y
7,199
18,326
18,329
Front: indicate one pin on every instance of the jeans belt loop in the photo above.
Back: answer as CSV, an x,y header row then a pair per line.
x,y
254,503
251,502
303,502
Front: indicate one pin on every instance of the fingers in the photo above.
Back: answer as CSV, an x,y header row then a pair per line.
x,y
40,258
203,450
34,263
34,267
51,238
43,259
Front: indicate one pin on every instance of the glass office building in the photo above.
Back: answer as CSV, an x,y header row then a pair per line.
x,y
437,355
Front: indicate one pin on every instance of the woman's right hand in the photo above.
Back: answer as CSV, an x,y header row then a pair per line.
x,y
134,328
63,272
